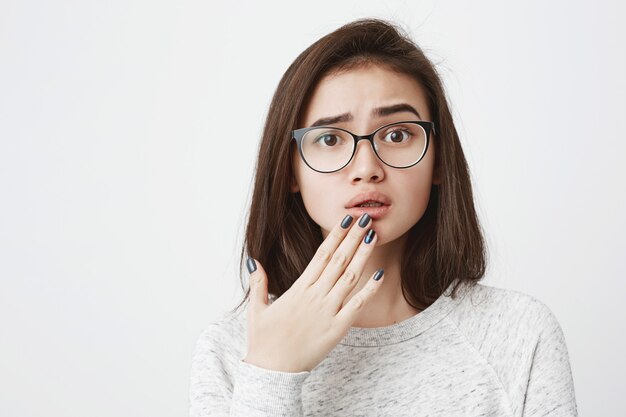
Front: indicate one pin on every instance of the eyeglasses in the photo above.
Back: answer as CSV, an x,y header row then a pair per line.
x,y
328,149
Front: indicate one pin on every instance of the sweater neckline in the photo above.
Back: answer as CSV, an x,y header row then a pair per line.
x,y
408,328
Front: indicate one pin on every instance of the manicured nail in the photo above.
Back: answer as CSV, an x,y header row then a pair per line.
x,y
379,274
251,265
364,220
346,221
369,236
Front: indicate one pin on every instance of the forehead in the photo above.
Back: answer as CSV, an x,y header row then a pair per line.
x,y
359,90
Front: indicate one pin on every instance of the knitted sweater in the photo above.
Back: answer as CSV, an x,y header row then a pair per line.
x,y
487,352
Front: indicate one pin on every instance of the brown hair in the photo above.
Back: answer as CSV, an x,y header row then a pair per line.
x,y
445,244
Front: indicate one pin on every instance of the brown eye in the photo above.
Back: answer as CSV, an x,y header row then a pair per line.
x,y
398,135
328,140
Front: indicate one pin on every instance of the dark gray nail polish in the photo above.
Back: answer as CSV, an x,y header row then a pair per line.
x,y
369,236
251,265
346,221
364,220
379,274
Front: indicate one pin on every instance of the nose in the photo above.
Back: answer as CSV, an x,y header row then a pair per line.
x,y
365,165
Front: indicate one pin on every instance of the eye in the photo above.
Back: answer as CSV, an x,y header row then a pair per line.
x,y
398,135
327,139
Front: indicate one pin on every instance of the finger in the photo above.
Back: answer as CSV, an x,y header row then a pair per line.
x,y
258,286
342,256
348,314
325,252
343,286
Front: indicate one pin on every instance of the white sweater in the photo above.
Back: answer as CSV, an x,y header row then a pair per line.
x,y
487,352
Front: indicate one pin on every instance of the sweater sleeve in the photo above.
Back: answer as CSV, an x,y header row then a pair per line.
x,y
226,386
550,389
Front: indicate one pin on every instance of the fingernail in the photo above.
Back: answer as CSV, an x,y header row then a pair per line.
x,y
346,221
251,265
364,220
369,236
379,274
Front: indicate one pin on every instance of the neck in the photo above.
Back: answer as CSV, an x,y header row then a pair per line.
x,y
388,305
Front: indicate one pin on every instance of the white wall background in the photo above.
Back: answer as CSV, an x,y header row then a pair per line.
x,y
128,132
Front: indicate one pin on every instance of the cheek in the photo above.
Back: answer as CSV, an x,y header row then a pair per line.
x,y
320,196
413,187
314,189
416,192
319,189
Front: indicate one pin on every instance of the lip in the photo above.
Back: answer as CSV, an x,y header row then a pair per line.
x,y
374,212
372,195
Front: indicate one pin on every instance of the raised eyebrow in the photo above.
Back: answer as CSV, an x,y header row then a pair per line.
x,y
325,121
377,112
396,108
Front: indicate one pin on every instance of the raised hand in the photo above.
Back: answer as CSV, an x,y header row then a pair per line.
x,y
298,330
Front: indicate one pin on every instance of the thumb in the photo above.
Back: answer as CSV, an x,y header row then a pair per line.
x,y
258,285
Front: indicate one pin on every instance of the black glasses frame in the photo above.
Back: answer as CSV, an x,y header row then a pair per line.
x,y
298,134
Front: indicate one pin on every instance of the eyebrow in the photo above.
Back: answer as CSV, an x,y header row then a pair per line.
x,y
377,112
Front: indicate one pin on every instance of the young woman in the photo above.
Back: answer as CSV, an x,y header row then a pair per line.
x,y
365,256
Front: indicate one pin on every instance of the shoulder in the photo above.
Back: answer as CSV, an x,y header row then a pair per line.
x,y
226,329
509,307
492,316
521,339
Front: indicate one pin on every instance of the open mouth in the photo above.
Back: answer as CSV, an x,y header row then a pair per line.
x,y
375,211
371,204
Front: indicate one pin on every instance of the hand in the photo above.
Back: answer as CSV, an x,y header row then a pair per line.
x,y
298,330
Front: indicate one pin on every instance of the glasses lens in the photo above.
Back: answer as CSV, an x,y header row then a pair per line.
x,y
399,145
327,149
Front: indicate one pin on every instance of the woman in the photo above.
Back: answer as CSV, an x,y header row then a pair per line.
x,y
365,256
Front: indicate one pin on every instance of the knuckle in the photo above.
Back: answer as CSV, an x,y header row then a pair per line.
x,y
358,302
311,295
339,259
349,277
322,255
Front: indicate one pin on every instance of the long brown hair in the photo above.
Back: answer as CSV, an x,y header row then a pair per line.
x,y
445,244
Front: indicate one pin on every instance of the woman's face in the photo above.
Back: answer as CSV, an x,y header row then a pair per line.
x,y
357,93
